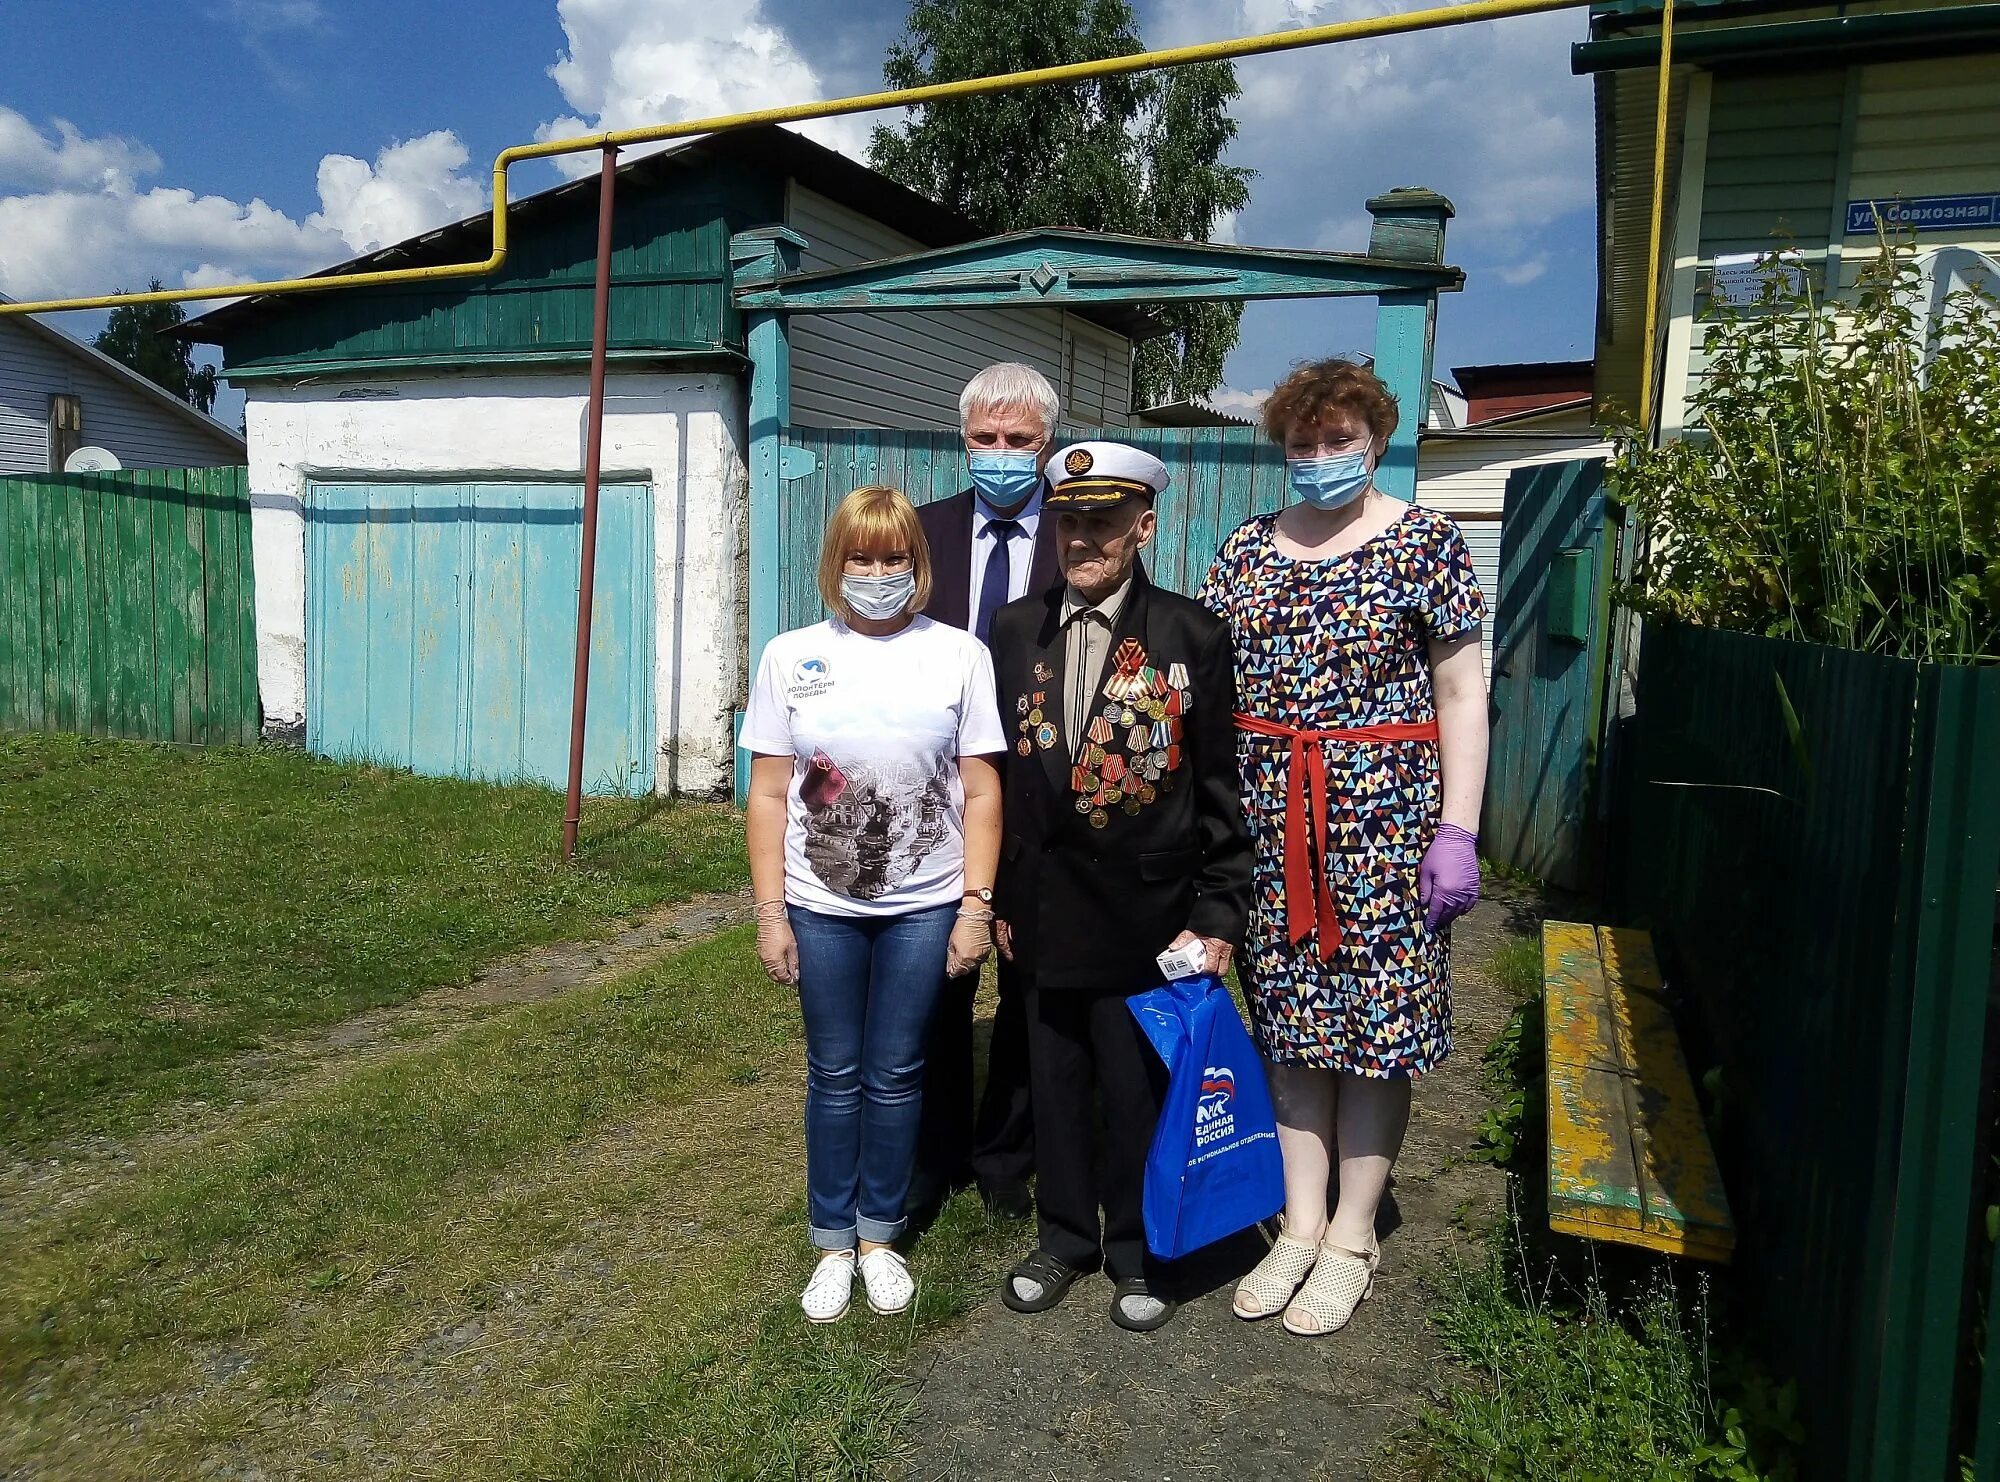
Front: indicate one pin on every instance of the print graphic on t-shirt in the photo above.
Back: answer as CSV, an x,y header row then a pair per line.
x,y
823,783
864,837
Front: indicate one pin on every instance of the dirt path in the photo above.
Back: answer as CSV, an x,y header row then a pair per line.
x,y
1068,1396
57,1178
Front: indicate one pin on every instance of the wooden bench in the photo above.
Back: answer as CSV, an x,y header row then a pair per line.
x,y
1629,1158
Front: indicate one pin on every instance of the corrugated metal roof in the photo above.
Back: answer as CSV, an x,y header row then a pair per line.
x,y
1187,413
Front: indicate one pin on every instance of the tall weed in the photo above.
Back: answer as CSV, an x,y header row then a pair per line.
x,y
1569,1380
1841,480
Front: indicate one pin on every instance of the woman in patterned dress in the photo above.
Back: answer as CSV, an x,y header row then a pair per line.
x,y
1362,696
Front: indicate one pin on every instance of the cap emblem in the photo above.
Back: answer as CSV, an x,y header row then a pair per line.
x,y
1079,461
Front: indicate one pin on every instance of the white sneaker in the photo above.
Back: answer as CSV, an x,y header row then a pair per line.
x,y
890,1286
826,1295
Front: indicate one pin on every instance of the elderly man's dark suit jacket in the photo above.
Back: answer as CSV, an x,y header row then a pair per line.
x,y
1091,906
948,531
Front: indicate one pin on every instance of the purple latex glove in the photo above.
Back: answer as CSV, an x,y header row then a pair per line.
x,y
1448,879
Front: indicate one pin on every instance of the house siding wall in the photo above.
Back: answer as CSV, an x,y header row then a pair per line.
x,y
1928,128
1769,179
1785,152
669,271
142,432
1773,158
906,369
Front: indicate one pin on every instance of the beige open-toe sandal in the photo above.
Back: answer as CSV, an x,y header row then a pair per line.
x,y
1340,1282
1270,1284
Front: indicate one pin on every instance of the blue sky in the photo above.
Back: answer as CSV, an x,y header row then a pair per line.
x,y
216,139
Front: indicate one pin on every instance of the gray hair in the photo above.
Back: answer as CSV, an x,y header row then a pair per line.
x,y
1010,384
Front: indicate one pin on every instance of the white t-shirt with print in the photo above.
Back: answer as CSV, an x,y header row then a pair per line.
x,y
875,817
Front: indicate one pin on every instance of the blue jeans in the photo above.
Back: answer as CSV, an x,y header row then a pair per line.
x,y
868,986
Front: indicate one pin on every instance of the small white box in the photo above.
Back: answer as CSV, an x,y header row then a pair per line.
x,y
1183,962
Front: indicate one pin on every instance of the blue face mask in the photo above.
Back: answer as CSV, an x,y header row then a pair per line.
x,y
1005,480
1329,483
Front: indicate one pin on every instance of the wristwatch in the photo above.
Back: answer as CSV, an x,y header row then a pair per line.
x,y
985,896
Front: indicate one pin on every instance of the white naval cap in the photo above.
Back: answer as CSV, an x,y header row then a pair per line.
x,y
1096,475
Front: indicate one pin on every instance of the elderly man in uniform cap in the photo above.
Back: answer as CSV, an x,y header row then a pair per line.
x,y
989,545
1123,836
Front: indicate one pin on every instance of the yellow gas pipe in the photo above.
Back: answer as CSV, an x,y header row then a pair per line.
x,y
1180,56
1659,205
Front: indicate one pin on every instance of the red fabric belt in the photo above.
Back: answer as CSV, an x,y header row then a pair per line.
x,y
1309,891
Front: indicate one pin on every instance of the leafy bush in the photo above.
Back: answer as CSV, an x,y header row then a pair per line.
x,y
1841,480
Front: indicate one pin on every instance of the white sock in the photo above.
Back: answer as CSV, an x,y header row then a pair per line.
x,y
1141,1308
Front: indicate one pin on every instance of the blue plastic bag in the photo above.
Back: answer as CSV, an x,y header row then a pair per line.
x,y
1214,1166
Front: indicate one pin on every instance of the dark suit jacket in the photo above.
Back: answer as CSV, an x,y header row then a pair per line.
x,y
1091,907
948,531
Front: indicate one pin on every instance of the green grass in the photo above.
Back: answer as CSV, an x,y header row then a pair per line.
x,y
565,1241
163,909
1517,969
1514,1125
1567,1382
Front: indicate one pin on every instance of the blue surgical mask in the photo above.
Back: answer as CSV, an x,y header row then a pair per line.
x,y
1330,482
1005,480
879,597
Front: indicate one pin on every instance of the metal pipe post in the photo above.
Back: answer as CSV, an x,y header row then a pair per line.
x,y
593,459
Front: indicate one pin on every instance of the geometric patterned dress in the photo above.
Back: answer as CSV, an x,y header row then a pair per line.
x,y
1327,645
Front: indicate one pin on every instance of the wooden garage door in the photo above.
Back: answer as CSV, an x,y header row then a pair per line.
x,y
441,630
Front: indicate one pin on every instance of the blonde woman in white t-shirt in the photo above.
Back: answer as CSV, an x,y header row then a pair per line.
x,y
874,833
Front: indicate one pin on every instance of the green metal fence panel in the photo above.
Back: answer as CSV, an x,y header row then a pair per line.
x,y
128,605
1951,859
1814,836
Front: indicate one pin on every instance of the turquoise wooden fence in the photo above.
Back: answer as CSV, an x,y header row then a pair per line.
x,y
1549,651
127,605
1221,476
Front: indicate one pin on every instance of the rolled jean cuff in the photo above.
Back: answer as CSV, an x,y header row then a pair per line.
x,y
832,1239
879,1231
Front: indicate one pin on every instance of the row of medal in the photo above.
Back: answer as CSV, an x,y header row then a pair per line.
x,y
1146,706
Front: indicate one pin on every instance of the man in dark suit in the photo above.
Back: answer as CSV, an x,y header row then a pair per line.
x,y
989,545
1123,835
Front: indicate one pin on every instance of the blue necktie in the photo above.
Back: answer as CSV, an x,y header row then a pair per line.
x,y
993,586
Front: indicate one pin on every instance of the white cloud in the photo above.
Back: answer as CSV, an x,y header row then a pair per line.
x,y
86,227
1238,403
413,185
262,17
62,243
636,62
1486,113
1516,274
260,24
29,157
